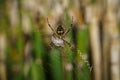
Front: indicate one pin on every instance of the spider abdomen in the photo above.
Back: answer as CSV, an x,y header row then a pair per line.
x,y
57,41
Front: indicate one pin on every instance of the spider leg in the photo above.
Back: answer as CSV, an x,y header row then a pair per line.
x,y
72,22
66,32
72,47
67,42
69,28
50,26
50,45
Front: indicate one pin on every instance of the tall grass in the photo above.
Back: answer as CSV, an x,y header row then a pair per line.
x,y
43,62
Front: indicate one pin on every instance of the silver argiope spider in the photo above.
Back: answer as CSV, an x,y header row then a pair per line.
x,y
58,36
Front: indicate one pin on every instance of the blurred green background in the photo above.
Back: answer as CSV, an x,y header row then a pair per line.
x,y
25,52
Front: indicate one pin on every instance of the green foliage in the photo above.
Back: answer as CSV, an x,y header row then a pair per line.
x,y
54,59
37,72
82,40
56,64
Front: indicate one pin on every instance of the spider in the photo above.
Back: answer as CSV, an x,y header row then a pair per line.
x,y
57,39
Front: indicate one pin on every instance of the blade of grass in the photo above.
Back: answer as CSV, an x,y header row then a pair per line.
x,y
38,52
56,64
